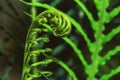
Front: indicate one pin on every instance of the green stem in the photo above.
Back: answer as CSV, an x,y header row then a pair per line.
x,y
33,13
27,47
81,31
98,44
62,64
87,12
77,51
111,74
33,9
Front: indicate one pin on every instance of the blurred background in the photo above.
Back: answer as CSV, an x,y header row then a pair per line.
x,y
14,25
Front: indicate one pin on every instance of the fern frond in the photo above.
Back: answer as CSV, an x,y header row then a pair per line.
x,y
111,34
111,74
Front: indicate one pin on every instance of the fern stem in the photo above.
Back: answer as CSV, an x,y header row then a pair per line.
x,y
77,51
33,13
98,44
109,54
89,15
38,4
79,28
33,9
112,33
112,14
112,73
62,64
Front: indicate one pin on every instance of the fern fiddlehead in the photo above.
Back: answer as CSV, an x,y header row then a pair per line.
x,y
49,20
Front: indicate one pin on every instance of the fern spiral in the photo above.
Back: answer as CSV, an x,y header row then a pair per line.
x,y
49,20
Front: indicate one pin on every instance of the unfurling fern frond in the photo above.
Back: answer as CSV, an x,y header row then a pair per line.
x,y
49,20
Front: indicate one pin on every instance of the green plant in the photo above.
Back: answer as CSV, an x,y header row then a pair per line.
x,y
49,20
94,47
